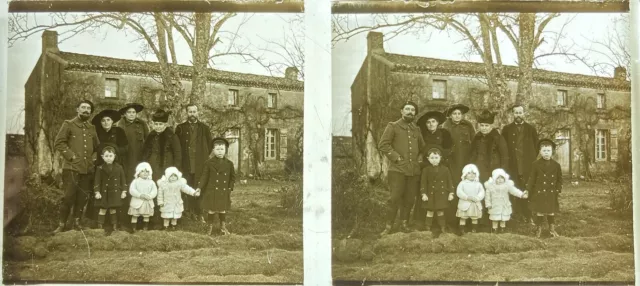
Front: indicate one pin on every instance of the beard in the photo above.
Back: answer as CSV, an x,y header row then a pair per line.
x,y
519,119
193,118
408,117
84,116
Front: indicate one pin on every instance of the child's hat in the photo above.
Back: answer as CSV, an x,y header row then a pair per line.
x,y
107,144
432,147
500,173
220,140
547,141
144,166
470,168
486,117
172,171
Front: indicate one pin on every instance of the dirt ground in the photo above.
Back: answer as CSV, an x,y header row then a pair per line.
x,y
596,244
265,246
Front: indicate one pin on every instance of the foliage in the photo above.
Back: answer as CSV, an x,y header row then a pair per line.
x,y
39,206
621,195
291,199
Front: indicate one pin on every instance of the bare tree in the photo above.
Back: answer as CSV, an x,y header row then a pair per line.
x,y
289,52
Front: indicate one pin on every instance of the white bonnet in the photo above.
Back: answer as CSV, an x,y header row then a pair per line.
x,y
470,168
171,171
144,166
500,173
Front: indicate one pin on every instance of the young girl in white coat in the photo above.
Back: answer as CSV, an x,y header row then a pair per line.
x,y
170,189
497,199
142,190
470,192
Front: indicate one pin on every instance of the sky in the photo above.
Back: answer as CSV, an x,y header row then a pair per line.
x,y
23,55
347,57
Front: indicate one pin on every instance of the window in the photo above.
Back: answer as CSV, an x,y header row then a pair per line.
x,y
613,142
232,98
600,101
272,100
283,144
111,88
439,89
561,98
270,144
601,145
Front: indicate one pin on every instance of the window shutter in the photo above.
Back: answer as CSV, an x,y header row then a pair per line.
x,y
283,144
266,144
613,144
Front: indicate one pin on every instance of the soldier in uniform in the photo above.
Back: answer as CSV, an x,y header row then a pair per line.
x,y
136,130
77,142
545,186
195,140
402,143
521,138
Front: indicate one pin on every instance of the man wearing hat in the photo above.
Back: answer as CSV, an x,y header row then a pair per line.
x,y
462,132
195,140
402,143
136,130
545,186
521,138
161,150
432,136
77,142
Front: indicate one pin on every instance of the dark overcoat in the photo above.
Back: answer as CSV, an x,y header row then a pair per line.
x,y
402,140
461,136
528,152
203,146
110,184
436,183
488,152
77,142
544,186
115,136
216,184
161,151
136,132
440,137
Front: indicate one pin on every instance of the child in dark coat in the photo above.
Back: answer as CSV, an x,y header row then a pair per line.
x,y
216,183
436,188
110,187
544,186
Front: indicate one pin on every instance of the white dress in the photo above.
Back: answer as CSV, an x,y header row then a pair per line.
x,y
466,207
138,205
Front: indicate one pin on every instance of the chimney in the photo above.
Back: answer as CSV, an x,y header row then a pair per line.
x,y
50,41
375,42
291,73
620,73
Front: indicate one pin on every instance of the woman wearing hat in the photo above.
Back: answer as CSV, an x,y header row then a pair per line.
x,y
109,133
136,130
462,132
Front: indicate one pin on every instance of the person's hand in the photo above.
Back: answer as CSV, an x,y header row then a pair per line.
x,y
450,196
488,207
424,198
197,194
145,197
124,195
161,205
98,196
525,195
399,159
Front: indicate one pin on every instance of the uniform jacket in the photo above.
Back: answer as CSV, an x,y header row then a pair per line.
x,y
402,140
162,151
78,142
436,183
489,152
544,186
203,146
529,150
136,132
467,189
110,184
497,196
216,184
169,194
461,136
115,136
440,137
141,186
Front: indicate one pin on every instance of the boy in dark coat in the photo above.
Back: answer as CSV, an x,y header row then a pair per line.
x,y
110,187
436,187
545,186
216,184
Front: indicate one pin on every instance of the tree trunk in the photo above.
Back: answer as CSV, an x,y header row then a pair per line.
x,y
200,56
526,48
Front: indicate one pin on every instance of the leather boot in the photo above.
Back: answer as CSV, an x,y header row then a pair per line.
x,y
462,232
404,227
145,225
77,224
387,230
552,230
210,229
60,227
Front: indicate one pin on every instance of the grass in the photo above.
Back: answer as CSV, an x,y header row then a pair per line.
x,y
265,246
596,244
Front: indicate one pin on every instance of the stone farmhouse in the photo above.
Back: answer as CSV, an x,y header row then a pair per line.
x,y
262,136
588,116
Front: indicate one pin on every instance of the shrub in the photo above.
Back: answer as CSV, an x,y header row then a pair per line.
x,y
291,198
621,195
39,204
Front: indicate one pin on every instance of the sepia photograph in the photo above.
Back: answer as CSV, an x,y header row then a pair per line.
x,y
482,147
155,147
